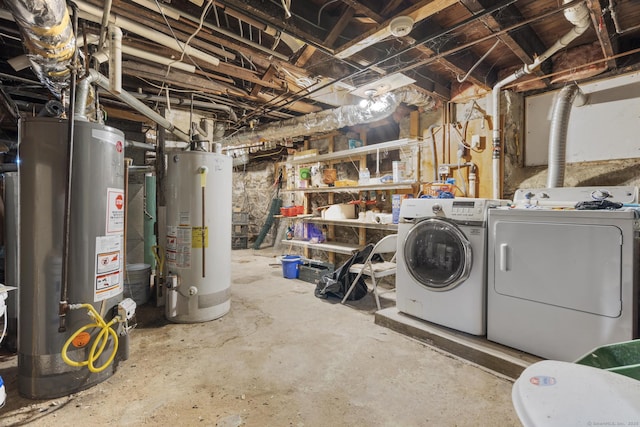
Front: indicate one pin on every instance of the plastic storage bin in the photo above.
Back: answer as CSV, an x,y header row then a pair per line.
x,y
622,358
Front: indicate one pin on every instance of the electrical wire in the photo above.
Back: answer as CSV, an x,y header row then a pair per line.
x,y
322,8
203,15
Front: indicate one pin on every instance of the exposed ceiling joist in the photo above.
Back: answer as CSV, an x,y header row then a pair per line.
x,y
604,31
417,12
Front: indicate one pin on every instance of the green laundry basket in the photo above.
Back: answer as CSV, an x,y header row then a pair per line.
x,y
622,358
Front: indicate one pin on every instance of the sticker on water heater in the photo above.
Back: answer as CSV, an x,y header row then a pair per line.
x,y
108,261
115,210
108,267
172,237
184,218
172,245
198,239
183,247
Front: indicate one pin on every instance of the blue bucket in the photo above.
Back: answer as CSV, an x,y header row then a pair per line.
x,y
290,265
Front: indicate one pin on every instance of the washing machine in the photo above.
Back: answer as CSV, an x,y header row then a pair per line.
x,y
563,281
441,268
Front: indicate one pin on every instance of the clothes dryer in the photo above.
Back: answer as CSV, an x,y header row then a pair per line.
x,y
562,281
441,268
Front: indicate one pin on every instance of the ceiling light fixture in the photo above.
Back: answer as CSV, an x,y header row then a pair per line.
x,y
369,93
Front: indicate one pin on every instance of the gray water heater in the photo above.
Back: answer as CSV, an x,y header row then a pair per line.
x,y
95,267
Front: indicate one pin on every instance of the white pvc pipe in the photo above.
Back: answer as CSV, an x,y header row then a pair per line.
x,y
138,53
143,54
579,17
93,14
105,22
124,96
115,59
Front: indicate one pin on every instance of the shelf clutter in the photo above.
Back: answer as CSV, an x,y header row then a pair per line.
x,y
368,189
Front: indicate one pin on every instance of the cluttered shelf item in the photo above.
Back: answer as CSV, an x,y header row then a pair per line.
x,y
350,188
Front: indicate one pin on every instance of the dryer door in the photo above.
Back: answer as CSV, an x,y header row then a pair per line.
x,y
437,254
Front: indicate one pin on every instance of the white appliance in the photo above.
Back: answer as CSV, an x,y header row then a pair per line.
x,y
563,281
441,269
557,394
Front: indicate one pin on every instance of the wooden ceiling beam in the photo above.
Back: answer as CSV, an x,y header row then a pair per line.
x,y
339,26
360,8
181,29
431,85
297,106
608,38
266,78
390,7
306,54
179,78
267,12
524,43
418,12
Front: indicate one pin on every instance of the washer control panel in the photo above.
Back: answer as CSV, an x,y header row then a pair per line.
x,y
458,209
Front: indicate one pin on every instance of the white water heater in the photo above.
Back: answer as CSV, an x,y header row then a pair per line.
x,y
198,236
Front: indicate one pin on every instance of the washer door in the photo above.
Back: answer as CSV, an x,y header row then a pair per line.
x,y
437,254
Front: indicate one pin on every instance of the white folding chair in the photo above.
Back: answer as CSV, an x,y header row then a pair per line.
x,y
376,270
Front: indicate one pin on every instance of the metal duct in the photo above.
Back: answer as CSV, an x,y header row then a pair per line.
x,y
124,96
48,36
329,120
568,96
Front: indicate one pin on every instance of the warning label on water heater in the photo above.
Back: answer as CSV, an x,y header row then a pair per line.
x,y
115,210
179,246
108,267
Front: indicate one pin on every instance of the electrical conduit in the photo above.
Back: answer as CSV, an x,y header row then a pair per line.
x,y
579,17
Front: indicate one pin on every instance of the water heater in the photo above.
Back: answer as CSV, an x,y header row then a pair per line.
x,y
95,251
11,245
198,236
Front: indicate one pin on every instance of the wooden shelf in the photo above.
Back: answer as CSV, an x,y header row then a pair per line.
x,y
358,188
354,152
358,157
337,247
351,223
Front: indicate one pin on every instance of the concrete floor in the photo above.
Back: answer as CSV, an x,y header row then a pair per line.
x,y
281,357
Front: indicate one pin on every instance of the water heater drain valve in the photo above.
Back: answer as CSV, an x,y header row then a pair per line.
x,y
171,281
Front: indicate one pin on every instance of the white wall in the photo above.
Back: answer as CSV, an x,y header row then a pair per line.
x,y
606,128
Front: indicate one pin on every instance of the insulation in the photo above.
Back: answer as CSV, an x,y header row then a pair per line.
x,y
48,37
329,120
